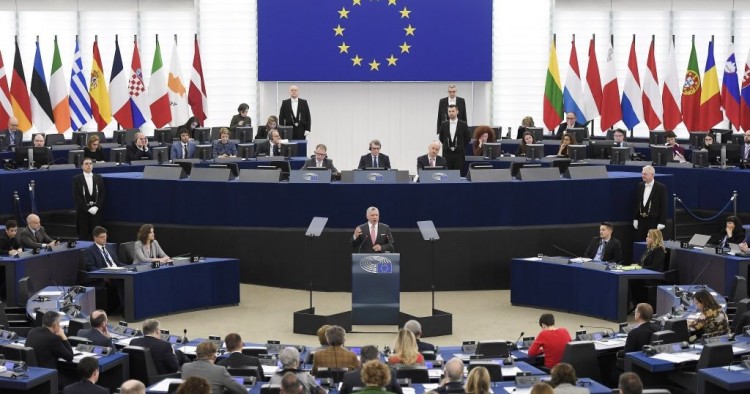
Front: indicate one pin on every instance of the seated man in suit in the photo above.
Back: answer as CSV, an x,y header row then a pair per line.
x,y
98,333
185,149
138,149
34,236
432,158
9,244
12,136
374,158
271,147
161,350
39,143
570,121
88,370
100,255
604,247
454,376
49,341
416,329
335,355
353,379
641,335
216,375
321,159
620,140
236,359
373,236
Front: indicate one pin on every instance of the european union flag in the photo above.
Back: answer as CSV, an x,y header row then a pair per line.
x,y
374,40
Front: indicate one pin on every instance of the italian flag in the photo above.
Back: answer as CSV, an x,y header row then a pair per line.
x,y
161,114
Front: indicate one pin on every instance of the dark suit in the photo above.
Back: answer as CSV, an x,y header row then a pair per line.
x,y
424,161
6,243
366,161
425,347
85,199
653,212
134,153
176,151
217,376
17,138
239,360
31,240
162,353
97,155
327,163
299,123
612,249
48,347
654,260
639,336
443,110
353,379
85,387
563,127
96,337
384,238
264,148
453,149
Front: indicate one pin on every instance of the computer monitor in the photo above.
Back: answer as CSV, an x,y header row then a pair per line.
x,y
283,165
75,156
54,139
601,149
204,151
202,134
160,154
233,168
186,165
538,133
661,155
242,133
738,139
163,136
491,150
562,164
697,139
580,132
577,152
620,155
722,135
732,153
657,137
246,150
288,149
80,138
285,132
39,156
534,151
117,155
700,158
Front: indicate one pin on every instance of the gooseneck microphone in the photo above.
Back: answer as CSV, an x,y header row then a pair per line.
x,y
363,242
514,345
565,251
602,328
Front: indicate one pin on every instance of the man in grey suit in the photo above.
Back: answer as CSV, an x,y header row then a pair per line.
x,y
373,236
13,136
34,236
216,375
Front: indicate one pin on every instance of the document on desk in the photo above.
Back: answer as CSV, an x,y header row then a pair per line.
x,y
187,349
79,355
163,385
677,357
410,390
435,373
52,293
114,269
510,371
125,341
609,344
517,390
269,370
427,387
463,356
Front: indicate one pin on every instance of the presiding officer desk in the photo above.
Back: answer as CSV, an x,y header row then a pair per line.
x,y
588,289
184,286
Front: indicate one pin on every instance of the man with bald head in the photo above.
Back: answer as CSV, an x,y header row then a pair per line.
x,y
34,236
132,386
138,149
11,137
454,375
295,112
98,333
651,205
432,158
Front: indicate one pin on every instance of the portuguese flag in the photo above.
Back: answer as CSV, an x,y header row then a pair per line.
x,y
691,94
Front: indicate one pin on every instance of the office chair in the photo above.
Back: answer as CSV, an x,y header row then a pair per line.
x,y
142,366
20,353
583,357
337,374
75,325
739,288
429,355
741,316
270,389
414,374
76,340
713,355
24,290
493,367
54,139
126,252
679,327
257,351
664,336
246,371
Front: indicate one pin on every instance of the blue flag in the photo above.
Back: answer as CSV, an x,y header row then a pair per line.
x,y
374,40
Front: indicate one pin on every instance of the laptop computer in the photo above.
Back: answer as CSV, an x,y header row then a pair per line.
x,y
699,240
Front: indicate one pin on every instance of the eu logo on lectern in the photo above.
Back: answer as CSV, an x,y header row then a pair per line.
x,y
374,40
376,265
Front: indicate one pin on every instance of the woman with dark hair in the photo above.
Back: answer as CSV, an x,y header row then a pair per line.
x,y
147,249
712,321
241,119
528,138
551,341
563,379
567,139
482,134
733,232
93,149
191,124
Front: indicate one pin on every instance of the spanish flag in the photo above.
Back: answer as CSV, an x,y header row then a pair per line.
x,y
98,94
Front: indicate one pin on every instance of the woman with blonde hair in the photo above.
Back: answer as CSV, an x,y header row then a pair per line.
x,y
478,381
93,149
405,353
527,121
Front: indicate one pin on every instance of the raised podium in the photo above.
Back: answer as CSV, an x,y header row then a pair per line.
x,y
376,291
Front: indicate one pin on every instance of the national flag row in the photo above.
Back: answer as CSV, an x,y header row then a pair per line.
x,y
127,99
699,104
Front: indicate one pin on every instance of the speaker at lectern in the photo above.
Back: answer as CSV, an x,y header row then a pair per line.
x,y
376,288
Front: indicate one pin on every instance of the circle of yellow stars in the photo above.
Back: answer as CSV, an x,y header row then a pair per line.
x,y
374,64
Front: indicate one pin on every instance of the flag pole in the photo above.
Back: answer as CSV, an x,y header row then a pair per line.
x,y
175,39
593,39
